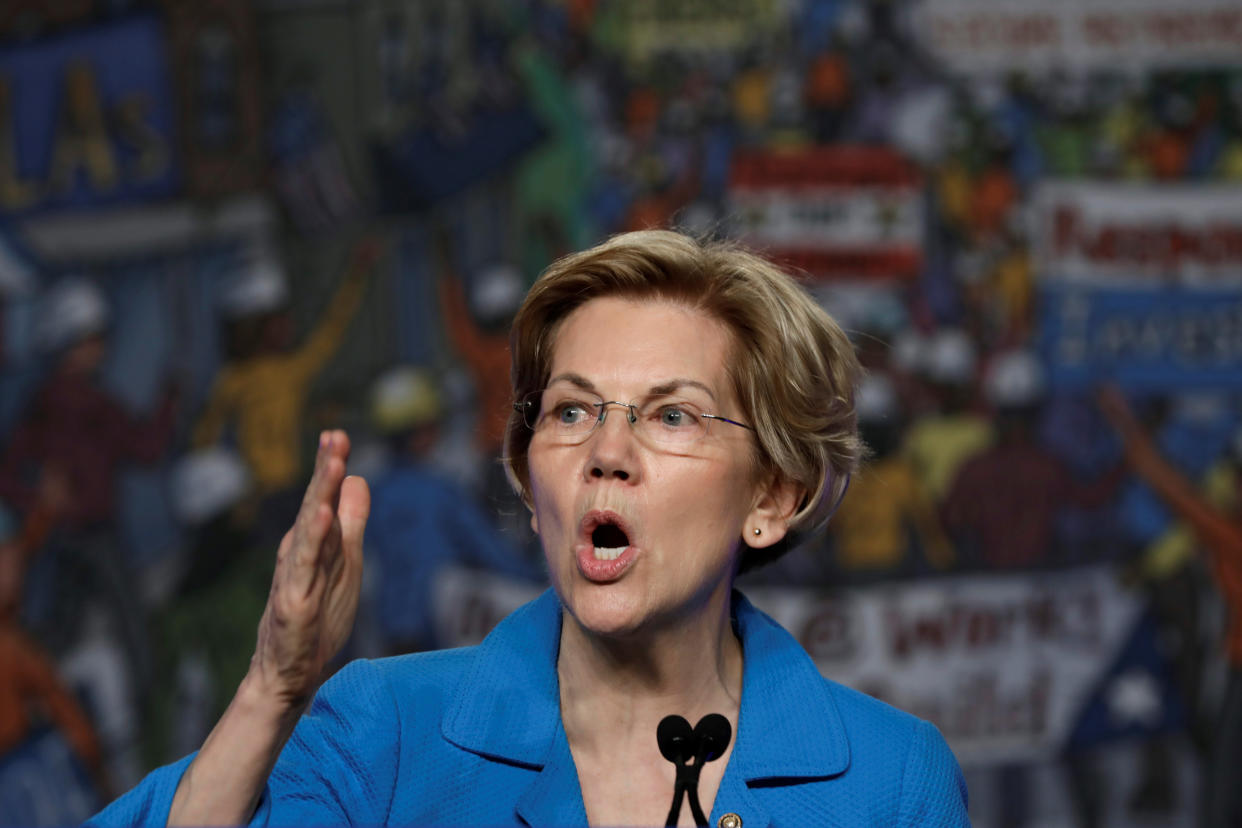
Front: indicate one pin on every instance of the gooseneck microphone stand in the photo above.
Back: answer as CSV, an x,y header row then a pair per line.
x,y
689,750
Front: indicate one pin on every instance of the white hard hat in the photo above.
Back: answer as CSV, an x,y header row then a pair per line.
x,y
920,124
852,23
698,218
876,399
72,310
259,286
1014,379
497,291
986,92
207,482
951,357
909,351
404,397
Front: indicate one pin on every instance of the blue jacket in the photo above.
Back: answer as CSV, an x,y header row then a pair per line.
x,y
473,737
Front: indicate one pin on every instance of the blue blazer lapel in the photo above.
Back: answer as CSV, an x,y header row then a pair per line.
x,y
507,706
554,797
789,726
789,729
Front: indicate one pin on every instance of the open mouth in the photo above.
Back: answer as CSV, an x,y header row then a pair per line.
x,y
609,540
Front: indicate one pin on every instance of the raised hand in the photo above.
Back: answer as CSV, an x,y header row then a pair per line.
x,y
310,610
309,613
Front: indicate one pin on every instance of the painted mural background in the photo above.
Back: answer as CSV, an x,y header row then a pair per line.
x,y
225,225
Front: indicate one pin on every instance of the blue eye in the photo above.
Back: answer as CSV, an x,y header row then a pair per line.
x,y
571,413
674,417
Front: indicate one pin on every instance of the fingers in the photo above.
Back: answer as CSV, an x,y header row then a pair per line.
x,y
355,506
329,469
314,591
325,483
309,542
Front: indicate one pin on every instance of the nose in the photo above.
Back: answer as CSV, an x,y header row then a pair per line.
x,y
611,453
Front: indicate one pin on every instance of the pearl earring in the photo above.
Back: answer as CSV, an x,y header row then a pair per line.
x,y
758,531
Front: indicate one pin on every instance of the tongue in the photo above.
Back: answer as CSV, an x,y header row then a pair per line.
x,y
609,536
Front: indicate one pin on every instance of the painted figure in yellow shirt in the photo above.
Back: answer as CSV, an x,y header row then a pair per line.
x,y
886,515
937,444
263,393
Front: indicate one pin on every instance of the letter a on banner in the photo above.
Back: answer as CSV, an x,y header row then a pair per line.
x,y
82,139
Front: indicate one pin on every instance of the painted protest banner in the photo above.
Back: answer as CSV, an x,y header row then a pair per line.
x,y
641,29
86,119
449,99
1099,233
836,212
993,37
1142,339
1009,667
216,65
467,603
1004,665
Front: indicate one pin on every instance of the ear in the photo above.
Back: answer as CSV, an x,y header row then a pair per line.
x,y
774,507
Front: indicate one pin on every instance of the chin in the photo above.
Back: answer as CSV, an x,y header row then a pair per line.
x,y
607,610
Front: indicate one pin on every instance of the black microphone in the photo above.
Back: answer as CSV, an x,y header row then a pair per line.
x,y
689,750
713,732
676,739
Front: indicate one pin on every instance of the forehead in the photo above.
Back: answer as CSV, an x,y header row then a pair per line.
x,y
631,345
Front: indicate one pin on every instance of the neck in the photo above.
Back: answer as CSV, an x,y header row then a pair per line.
x,y
614,692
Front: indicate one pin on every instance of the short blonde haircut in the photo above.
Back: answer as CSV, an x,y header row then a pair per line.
x,y
793,369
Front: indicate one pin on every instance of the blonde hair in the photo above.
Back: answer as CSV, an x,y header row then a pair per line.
x,y
793,369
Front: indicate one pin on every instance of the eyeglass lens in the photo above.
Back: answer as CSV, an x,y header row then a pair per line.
x,y
571,414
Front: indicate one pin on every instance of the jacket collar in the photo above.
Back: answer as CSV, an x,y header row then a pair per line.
x,y
789,726
507,706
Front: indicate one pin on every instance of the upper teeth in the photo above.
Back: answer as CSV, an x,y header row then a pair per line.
x,y
608,553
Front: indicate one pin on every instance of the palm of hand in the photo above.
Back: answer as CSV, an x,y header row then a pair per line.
x,y
314,596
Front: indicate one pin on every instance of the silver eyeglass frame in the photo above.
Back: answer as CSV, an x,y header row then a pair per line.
x,y
523,407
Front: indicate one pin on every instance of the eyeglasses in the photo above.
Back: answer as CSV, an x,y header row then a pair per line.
x,y
569,415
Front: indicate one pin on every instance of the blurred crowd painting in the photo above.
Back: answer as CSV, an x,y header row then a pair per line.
x,y
226,225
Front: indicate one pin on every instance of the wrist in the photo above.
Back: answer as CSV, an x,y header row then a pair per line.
x,y
259,699
224,783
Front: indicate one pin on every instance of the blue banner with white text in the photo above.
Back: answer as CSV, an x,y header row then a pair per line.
x,y
87,119
1143,339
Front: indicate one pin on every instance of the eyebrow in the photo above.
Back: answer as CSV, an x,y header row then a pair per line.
x,y
666,387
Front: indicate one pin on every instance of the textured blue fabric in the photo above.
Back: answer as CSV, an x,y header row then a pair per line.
x,y
473,737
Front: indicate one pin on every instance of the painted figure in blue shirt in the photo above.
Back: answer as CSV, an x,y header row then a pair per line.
x,y
682,412
422,521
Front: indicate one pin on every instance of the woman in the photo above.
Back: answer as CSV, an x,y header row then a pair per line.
x,y
682,411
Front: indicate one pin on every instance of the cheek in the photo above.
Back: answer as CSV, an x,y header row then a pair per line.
x,y
544,497
536,472
733,486
712,506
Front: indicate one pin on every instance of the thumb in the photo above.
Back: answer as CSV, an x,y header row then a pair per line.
x,y
353,509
